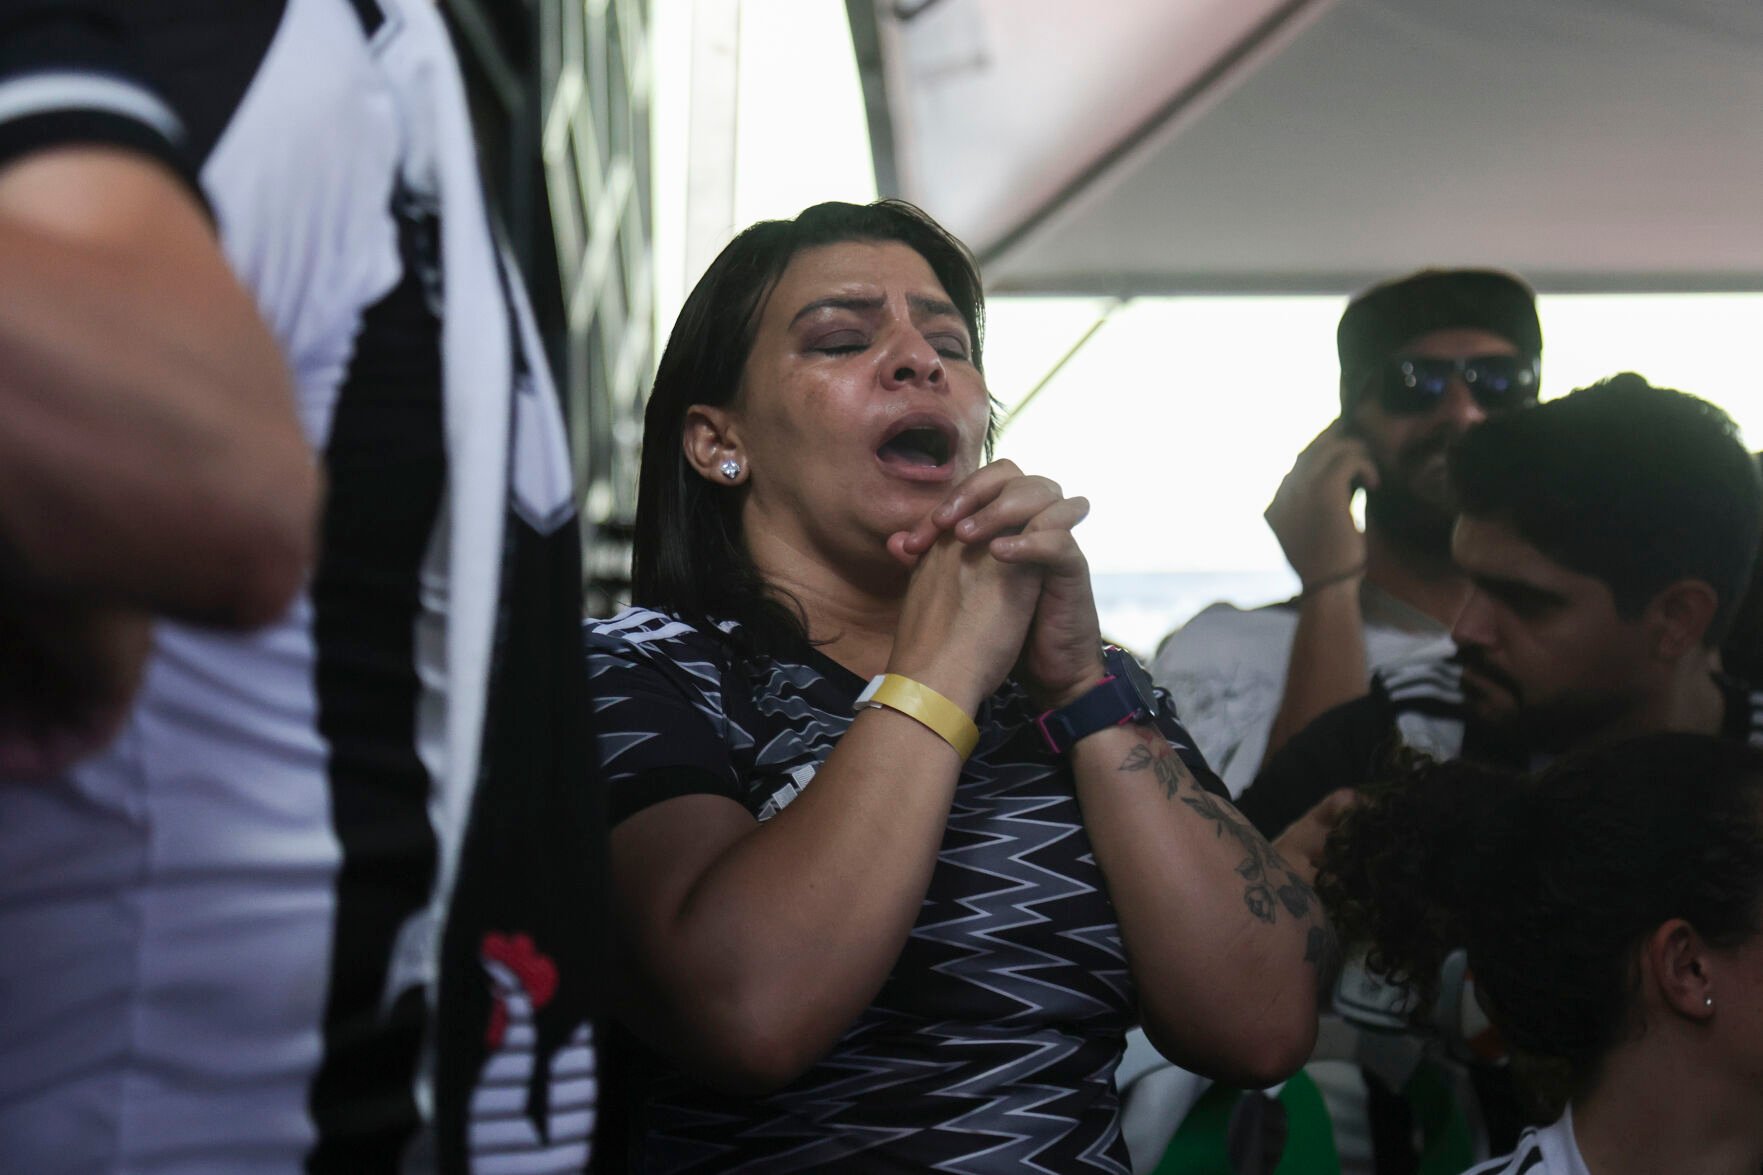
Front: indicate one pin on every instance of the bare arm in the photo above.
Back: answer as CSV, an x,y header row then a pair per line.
x,y
151,455
1328,661
1228,947
748,949
1311,516
68,671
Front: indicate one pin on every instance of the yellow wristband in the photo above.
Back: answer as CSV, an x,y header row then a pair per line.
x,y
923,705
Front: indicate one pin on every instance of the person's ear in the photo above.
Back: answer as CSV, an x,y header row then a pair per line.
x,y
1678,617
1676,961
712,445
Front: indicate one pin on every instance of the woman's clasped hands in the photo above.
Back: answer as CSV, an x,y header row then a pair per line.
x,y
999,583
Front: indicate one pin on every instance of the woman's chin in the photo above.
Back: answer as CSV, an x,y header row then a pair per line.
x,y
900,504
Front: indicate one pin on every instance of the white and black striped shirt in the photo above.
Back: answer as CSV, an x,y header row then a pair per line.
x,y
226,936
1541,1150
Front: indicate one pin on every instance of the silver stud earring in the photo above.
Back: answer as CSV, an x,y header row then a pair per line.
x,y
1707,1001
731,469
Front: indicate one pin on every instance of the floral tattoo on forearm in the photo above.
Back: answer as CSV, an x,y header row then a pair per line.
x,y
1269,884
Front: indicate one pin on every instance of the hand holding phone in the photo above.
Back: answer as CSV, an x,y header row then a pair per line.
x,y
1312,511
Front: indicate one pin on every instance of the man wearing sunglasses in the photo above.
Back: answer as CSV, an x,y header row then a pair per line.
x,y
1424,358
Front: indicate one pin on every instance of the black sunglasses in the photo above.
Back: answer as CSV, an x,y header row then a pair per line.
x,y
1410,385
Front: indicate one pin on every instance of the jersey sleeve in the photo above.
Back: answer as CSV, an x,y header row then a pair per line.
x,y
1339,749
68,76
658,725
1184,745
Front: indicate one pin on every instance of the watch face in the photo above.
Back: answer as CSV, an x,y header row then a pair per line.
x,y
1124,665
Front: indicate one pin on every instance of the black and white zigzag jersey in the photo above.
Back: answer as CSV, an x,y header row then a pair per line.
x,y
993,1043
1418,706
226,936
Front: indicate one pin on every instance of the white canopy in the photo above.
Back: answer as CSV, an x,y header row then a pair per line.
x,y
1204,146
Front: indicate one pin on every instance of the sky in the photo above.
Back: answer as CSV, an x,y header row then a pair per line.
x,y
1179,416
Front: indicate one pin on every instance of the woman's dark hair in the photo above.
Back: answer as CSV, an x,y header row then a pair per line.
x,y
1552,884
689,556
1634,485
1741,650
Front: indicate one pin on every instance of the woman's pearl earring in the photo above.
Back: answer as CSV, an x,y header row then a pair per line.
x,y
731,469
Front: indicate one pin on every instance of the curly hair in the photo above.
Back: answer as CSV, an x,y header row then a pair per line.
x,y
1552,883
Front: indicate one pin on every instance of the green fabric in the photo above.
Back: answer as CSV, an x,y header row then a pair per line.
x,y
1447,1148
1310,1144
1199,1147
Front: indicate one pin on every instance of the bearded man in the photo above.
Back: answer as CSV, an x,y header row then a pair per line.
x,y
1424,359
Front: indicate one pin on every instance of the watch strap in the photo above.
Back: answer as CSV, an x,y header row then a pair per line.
x,y
1114,701
923,705
1111,702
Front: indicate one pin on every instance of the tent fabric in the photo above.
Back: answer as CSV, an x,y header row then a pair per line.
x,y
1205,146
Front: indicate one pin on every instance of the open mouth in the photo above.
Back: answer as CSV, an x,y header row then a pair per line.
x,y
918,444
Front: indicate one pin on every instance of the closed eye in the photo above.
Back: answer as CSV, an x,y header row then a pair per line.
x,y
950,346
840,343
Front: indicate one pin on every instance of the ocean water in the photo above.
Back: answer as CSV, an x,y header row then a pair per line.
x,y
1138,609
